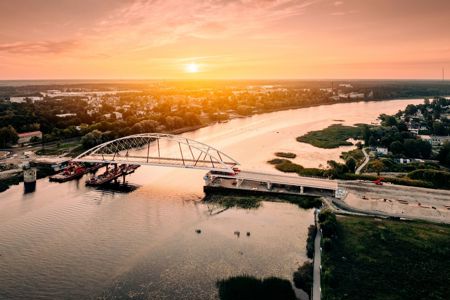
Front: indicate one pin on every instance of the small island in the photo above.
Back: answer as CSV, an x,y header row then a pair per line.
x,y
333,136
286,154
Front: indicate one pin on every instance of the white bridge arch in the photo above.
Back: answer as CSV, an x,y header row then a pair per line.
x,y
159,149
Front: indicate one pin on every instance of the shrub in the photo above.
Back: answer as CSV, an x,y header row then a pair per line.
x,y
444,154
239,287
286,154
439,179
276,288
351,164
303,277
326,244
312,230
328,223
277,161
288,167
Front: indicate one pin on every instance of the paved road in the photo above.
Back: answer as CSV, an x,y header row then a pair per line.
x,y
317,263
366,161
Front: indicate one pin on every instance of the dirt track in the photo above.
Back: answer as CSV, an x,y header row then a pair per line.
x,y
410,202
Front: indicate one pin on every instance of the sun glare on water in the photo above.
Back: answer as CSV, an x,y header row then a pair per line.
x,y
192,68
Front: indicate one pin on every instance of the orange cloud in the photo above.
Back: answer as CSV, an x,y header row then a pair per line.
x,y
229,38
54,47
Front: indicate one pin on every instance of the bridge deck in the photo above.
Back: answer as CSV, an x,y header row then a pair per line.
x,y
256,182
289,180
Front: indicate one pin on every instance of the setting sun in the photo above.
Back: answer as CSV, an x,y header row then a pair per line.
x,y
191,68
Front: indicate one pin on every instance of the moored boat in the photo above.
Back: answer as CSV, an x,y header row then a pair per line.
x,y
73,171
107,176
111,174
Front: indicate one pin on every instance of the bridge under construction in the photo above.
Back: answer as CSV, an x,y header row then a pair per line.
x,y
166,150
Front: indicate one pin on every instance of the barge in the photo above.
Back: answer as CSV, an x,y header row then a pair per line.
x,y
112,173
74,171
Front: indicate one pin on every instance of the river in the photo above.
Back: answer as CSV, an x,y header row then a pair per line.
x,y
68,241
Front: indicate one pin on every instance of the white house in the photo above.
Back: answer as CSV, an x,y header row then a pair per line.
x,y
355,95
117,114
66,115
24,99
345,85
405,160
382,150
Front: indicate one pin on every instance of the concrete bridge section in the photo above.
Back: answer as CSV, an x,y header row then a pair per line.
x,y
272,183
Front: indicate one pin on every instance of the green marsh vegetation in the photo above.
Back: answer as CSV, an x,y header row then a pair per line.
x,y
255,201
286,154
333,136
366,258
229,201
247,287
287,166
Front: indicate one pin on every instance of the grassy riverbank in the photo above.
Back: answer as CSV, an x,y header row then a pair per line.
x,y
385,259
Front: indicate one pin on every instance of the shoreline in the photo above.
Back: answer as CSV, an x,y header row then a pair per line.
x,y
196,127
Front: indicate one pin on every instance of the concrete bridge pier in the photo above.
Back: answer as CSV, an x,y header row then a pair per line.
x,y
239,182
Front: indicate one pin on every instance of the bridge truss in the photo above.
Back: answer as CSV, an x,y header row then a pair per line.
x,y
159,149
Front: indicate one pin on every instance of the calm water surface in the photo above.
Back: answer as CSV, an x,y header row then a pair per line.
x,y
67,241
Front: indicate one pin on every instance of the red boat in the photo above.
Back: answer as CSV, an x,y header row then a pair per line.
x,y
73,171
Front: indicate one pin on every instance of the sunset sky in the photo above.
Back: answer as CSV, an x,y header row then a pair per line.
x,y
260,39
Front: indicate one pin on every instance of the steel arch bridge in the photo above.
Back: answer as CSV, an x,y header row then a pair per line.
x,y
159,149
